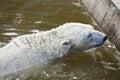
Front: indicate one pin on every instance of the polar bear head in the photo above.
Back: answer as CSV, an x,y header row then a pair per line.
x,y
78,37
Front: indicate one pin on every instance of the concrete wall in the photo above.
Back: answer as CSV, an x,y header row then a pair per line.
x,y
107,15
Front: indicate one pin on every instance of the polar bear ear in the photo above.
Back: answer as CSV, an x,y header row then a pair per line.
x,y
66,42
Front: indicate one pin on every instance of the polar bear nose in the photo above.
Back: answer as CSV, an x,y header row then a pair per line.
x,y
105,38
100,39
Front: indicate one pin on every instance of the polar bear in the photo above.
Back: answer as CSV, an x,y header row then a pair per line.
x,y
28,50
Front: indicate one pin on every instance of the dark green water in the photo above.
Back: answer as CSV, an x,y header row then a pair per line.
x,y
18,17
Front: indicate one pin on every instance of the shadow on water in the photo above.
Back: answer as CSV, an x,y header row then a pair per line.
x,y
18,17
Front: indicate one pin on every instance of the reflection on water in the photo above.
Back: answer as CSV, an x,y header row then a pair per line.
x,y
18,17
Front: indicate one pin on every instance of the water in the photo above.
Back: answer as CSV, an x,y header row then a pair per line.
x,y
18,17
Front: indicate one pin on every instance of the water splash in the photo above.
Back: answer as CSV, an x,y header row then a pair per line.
x,y
9,34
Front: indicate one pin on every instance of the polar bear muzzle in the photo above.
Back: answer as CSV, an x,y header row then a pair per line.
x,y
104,39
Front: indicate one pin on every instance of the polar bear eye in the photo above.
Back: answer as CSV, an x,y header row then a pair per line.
x,y
89,35
65,43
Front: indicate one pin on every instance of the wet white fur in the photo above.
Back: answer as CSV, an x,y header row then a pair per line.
x,y
28,50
